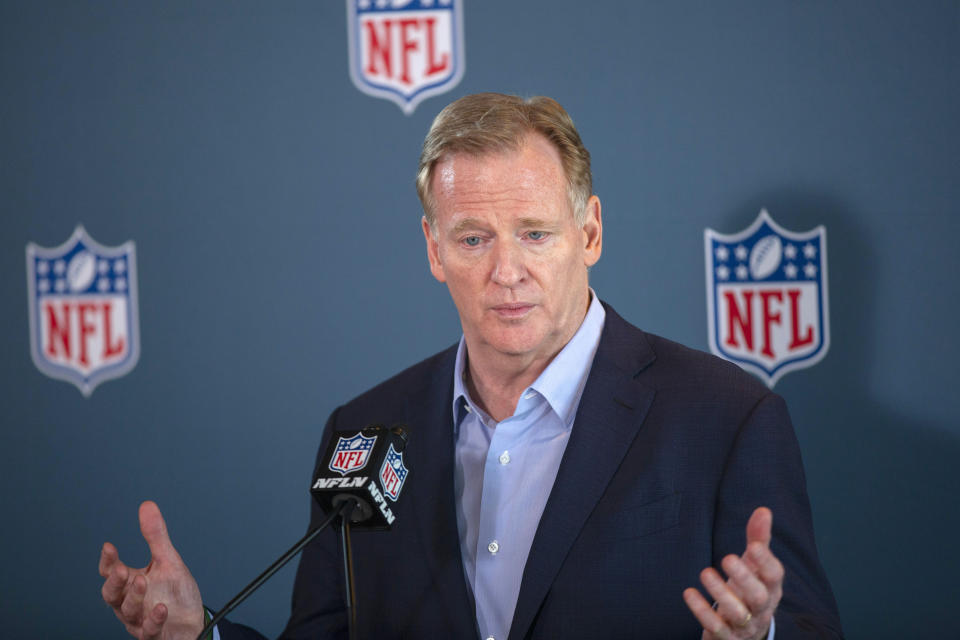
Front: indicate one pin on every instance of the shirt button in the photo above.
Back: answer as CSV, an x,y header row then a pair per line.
x,y
493,547
490,638
505,457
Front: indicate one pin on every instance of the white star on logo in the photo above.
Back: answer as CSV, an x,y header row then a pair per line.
x,y
59,267
742,272
43,267
741,252
810,270
790,270
722,253
790,252
809,251
723,272
102,267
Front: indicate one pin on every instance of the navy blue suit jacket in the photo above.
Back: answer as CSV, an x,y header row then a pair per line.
x,y
671,451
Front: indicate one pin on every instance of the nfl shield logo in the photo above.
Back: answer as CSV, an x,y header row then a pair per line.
x,y
405,50
351,454
82,296
392,473
767,297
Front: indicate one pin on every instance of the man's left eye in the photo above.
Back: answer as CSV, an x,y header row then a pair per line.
x,y
536,235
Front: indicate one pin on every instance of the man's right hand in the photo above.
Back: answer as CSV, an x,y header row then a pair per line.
x,y
160,601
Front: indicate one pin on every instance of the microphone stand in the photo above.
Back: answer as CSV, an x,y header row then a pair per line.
x,y
346,505
351,594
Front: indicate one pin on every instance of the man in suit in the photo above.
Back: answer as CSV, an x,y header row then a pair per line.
x,y
570,474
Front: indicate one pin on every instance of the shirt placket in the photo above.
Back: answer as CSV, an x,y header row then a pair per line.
x,y
496,557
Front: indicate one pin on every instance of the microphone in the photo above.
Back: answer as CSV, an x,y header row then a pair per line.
x,y
366,466
358,480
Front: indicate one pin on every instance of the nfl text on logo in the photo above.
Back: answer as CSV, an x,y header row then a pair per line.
x,y
405,50
393,473
351,454
82,298
767,297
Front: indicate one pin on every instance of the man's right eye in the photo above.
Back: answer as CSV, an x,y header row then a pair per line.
x,y
471,241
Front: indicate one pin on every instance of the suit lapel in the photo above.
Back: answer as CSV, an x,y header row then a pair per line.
x,y
609,417
431,456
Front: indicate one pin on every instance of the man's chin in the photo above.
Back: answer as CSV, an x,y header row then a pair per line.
x,y
519,346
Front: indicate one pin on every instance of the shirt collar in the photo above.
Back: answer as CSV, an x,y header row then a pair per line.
x,y
561,383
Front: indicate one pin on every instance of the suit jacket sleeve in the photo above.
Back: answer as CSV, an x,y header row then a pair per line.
x,y
764,468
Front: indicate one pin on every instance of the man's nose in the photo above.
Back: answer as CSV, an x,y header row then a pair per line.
x,y
508,266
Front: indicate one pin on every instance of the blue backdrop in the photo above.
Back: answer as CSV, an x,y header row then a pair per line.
x,y
281,266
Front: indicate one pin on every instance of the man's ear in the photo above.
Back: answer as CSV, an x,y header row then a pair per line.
x,y
433,251
592,232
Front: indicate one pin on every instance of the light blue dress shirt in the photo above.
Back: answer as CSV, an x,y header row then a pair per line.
x,y
505,471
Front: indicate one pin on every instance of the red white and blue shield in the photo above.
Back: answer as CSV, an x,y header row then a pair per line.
x,y
351,454
392,473
405,50
82,297
767,297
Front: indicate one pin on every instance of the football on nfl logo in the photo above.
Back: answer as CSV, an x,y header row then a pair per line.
x,y
82,298
405,50
767,297
351,454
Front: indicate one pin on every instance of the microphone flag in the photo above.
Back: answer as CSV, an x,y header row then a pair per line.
x,y
366,465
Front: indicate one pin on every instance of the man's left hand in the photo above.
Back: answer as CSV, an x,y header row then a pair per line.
x,y
744,604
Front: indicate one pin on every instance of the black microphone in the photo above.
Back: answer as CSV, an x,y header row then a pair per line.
x,y
365,465
359,480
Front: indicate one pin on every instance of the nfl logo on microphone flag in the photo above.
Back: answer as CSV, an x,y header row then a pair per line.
x,y
392,473
82,299
767,302
351,454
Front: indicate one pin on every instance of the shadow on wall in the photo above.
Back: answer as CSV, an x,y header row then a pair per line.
x,y
883,484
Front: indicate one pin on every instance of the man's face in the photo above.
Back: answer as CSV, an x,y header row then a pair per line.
x,y
510,251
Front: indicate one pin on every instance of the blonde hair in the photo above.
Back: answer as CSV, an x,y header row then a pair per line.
x,y
485,123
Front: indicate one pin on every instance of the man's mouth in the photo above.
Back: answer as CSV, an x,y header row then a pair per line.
x,y
512,309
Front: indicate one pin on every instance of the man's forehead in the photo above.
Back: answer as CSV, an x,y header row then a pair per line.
x,y
534,159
